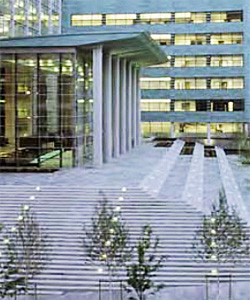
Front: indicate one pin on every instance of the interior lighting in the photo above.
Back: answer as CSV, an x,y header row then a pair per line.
x,y
32,197
120,198
38,188
124,189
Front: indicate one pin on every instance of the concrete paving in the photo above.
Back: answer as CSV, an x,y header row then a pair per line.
x,y
194,182
131,170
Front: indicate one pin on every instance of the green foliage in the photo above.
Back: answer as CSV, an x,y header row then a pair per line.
x,y
140,274
25,254
106,240
222,235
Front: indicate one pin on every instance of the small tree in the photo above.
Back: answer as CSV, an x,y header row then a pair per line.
x,y
25,254
106,240
140,274
222,236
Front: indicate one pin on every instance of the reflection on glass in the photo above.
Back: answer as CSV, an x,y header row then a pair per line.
x,y
40,123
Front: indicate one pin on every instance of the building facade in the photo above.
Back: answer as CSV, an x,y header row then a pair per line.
x,y
29,17
203,89
71,100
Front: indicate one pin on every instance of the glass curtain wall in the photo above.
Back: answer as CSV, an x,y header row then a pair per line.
x,y
40,125
29,18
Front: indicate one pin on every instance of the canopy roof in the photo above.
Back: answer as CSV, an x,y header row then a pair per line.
x,y
136,46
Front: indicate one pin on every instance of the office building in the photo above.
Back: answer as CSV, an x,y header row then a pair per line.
x,y
203,88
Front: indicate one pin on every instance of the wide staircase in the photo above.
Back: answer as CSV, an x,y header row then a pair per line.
x,y
63,211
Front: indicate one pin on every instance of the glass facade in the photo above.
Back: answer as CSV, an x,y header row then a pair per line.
x,y
45,109
29,18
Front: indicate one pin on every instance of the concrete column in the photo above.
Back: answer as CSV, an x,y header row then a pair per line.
x,y
116,106
246,129
107,107
129,107
208,133
138,111
123,106
97,106
134,106
172,130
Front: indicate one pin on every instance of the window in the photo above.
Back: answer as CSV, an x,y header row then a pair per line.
x,y
86,20
226,38
155,104
227,61
190,83
184,105
163,39
190,61
120,19
155,18
4,25
188,17
227,83
232,16
190,39
156,83
227,105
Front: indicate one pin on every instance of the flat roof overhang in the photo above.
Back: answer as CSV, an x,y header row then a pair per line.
x,y
137,46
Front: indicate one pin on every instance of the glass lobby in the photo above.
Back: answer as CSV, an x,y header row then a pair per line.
x,y
46,110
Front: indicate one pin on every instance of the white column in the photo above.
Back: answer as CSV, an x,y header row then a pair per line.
x,y
138,111
123,106
107,107
134,105
208,133
116,106
172,130
97,106
129,106
246,129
